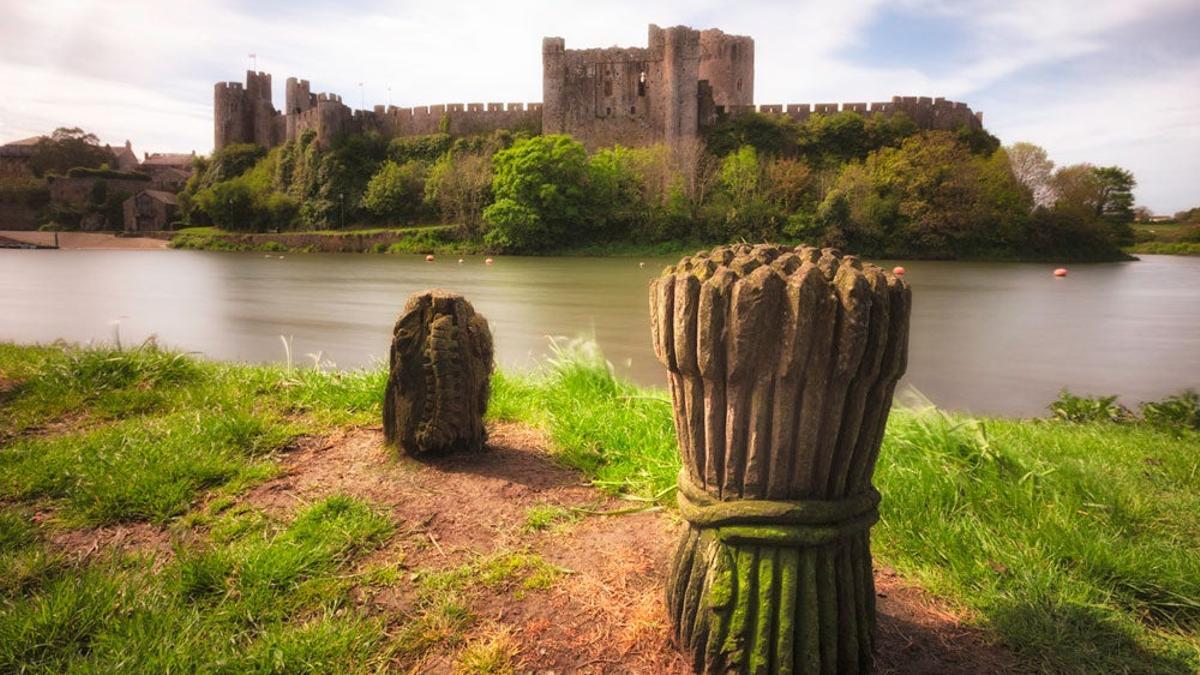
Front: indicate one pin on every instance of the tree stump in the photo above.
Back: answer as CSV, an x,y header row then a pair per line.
x,y
782,364
441,362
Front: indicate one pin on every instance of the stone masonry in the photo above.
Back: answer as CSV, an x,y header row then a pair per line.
x,y
666,92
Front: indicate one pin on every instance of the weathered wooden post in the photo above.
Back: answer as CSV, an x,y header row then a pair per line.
x,y
441,363
782,365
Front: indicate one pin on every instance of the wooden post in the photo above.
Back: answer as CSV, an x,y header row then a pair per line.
x,y
782,364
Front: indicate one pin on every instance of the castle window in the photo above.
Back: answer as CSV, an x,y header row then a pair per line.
x,y
608,112
733,52
608,87
739,84
642,84
633,110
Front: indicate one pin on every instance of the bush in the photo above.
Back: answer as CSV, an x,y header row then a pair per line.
x,y
1181,411
421,148
1078,409
541,194
105,172
396,193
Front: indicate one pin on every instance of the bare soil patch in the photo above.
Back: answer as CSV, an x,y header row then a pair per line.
x,y
605,614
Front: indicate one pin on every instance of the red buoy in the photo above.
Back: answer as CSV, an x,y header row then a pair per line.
x,y
429,258
898,271
1060,272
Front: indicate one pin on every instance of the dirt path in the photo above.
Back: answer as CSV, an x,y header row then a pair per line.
x,y
603,614
84,240
606,615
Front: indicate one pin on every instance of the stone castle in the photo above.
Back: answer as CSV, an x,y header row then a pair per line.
x,y
667,92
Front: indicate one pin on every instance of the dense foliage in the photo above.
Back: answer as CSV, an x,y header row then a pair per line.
x,y
877,185
66,149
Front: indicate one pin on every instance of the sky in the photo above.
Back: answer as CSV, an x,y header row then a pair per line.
x,y
1100,81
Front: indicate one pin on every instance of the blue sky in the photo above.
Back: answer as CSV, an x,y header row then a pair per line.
x,y
1103,81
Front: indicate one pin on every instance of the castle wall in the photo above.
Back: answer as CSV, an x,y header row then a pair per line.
x,y
927,113
602,96
682,81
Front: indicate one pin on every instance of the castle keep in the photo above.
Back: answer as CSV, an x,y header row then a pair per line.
x,y
666,92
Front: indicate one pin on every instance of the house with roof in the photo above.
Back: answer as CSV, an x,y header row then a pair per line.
x,y
150,211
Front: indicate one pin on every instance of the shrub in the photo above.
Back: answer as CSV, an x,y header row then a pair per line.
x,y
1179,411
396,192
541,194
1072,408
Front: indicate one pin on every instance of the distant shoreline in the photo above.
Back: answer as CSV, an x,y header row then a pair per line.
x,y
84,240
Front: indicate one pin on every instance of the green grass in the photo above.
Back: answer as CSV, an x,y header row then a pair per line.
x,y
268,602
1076,544
1166,248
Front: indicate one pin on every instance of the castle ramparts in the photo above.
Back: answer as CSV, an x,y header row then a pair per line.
x,y
666,92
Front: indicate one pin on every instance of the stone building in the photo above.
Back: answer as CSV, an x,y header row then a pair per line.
x,y
150,211
15,157
126,159
666,92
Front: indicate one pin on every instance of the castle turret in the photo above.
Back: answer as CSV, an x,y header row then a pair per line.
x,y
727,63
553,106
681,74
298,96
229,114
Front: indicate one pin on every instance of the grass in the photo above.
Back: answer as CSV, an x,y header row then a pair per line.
x,y
419,239
1077,545
1073,543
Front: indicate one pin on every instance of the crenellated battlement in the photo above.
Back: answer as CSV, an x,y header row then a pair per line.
x,y
926,112
665,92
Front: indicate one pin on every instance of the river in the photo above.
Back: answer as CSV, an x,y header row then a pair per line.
x,y
990,338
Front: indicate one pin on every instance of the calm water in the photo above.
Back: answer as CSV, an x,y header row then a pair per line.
x,y
996,338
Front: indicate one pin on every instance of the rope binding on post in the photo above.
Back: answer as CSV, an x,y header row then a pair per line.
x,y
777,523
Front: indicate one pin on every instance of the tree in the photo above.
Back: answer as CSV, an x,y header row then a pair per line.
x,y
66,149
1116,194
540,186
1076,189
396,192
1033,168
459,186
789,183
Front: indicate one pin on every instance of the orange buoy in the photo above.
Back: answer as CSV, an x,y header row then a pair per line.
x,y
898,271
1060,272
429,258
489,261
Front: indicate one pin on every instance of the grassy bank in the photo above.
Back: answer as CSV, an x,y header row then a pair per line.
x,y
424,239
1074,544
440,240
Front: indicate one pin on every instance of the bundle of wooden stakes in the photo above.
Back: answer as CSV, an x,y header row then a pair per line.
x,y
782,366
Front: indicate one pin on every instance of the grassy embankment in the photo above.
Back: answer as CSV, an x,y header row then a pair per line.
x,y
440,240
1074,544
1167,238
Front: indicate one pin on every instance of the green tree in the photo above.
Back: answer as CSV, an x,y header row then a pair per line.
x,y
766,133
67,148
1115,202
460,186
540,185
423,148
396,192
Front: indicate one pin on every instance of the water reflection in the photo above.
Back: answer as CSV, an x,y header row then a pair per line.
x,y
989,337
